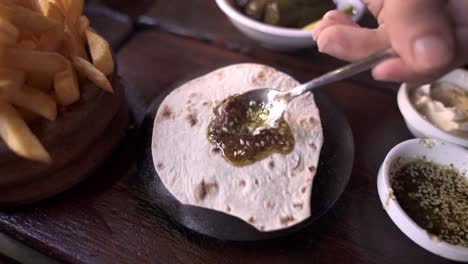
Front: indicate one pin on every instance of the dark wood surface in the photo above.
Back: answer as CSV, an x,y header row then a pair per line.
x,y
108,219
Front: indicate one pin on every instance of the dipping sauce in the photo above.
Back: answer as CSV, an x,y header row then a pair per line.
x,y
445,105
436,198
232,131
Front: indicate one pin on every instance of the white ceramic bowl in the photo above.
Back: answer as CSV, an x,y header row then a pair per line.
x,y
279,38
438,152
417,124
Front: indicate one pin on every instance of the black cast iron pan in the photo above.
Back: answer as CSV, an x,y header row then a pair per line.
x,y
333,172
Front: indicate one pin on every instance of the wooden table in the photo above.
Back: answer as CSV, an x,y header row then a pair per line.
x,y
108,219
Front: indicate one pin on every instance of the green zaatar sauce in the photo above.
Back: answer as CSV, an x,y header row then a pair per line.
x,y
436,198
232,132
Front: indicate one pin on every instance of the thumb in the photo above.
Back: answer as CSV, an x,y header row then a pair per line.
x,y
420,31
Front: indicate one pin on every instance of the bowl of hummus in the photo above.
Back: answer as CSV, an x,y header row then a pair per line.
x,y
437,110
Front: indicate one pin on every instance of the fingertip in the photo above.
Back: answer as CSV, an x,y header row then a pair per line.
x,y
338,16
390,70
331,18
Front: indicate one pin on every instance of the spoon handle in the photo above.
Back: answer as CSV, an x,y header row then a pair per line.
x,y
344,72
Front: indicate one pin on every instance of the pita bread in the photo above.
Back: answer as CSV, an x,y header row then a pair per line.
x,y
271,194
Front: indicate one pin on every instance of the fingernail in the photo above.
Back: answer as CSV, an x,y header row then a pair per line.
x,y
432,51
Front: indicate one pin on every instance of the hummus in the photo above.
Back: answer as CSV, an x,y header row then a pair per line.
x,y
445,105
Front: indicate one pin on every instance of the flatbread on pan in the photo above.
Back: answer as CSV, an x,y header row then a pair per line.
x,y
270,194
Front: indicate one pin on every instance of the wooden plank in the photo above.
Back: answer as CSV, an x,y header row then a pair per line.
x,y
15,252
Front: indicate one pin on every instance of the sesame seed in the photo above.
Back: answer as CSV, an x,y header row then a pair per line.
x,y
435,197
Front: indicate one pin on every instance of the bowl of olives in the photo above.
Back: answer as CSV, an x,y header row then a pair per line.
x,y
284,25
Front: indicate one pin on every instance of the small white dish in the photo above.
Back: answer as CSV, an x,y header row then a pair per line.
x,y
279,38
438,152
419,126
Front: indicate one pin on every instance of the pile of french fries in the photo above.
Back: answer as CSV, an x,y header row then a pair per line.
x,y
46,50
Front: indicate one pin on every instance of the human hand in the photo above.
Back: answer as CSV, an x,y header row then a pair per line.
x,y
430,37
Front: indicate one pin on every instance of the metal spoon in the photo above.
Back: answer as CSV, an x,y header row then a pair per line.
x,y
276,101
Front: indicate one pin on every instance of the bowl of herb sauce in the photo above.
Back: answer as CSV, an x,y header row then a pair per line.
x,y
423,186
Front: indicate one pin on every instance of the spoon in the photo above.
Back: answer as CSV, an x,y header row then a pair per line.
x,y
276,101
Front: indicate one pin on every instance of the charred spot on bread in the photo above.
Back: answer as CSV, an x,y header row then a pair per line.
x,y
192,119
166,112
242,183
160,165
203,189
298,206
287,219
271,164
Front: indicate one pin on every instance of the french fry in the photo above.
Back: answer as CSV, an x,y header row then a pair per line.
x,y
27,115
52,40
18,137
32,5
52,11
33,100
11,89
74,44
9,34
31,60
100,52
26,18
66,86
27,35
83,26
27,44
44,5
41,81
9,2
11,79
75,9
88,70
58,3
65,4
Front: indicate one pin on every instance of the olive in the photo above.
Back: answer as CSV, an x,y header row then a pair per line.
x,y
295,13
281,13
256,8
241,4
286,13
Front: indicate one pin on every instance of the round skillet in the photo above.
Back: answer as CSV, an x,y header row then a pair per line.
x,y
334,170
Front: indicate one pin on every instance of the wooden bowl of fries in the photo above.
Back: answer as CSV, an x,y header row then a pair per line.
x,y
62,107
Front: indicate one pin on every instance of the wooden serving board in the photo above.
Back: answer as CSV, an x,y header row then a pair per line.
x,y
75,156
